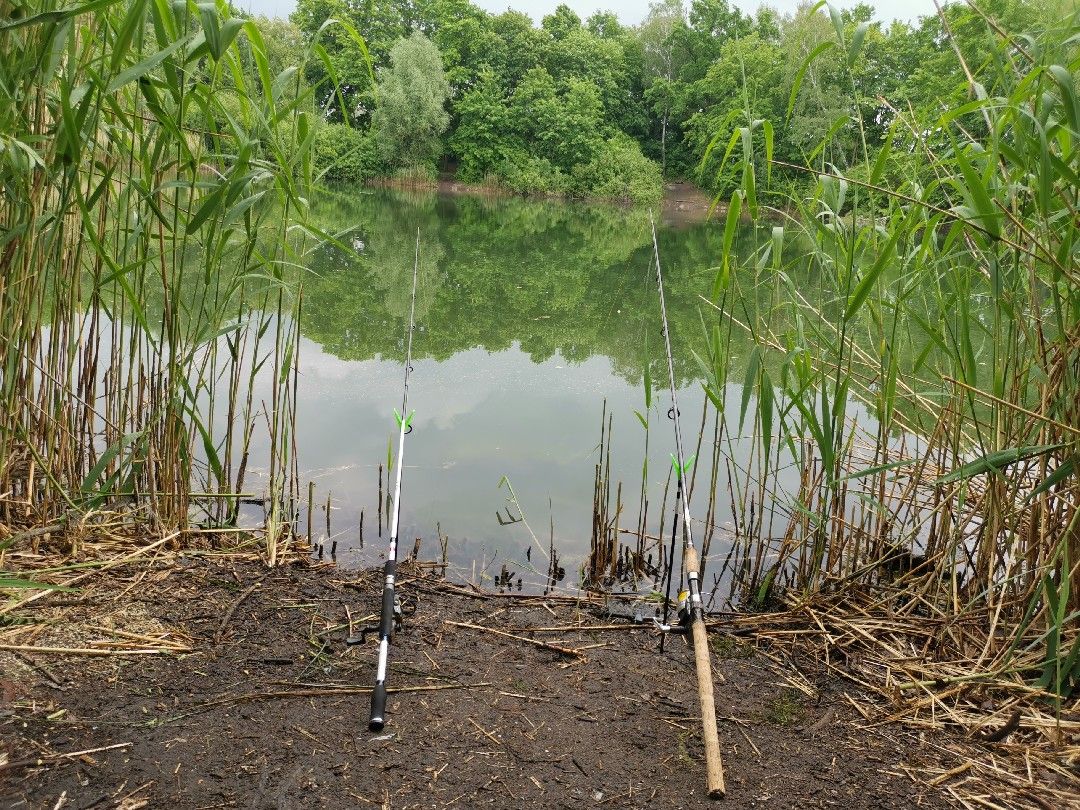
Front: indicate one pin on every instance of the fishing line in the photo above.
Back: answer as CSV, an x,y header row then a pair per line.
x,y
390,609
669,573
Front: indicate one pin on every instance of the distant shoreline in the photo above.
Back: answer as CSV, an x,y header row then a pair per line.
x,y
682,203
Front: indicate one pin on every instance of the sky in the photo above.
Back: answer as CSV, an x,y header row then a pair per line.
x,y
630,12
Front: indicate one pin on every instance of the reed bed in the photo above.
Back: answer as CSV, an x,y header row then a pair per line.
x,y
899,472
154,206
936,441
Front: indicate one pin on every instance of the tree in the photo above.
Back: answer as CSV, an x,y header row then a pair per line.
x,y
534,104
696,44
576,133
520,48
411,115
767,24
484,136
561,123
284,43
561,22
466,40
583,55
824,97
605,24
745,83
661,61
343,93
935,78
632,115
711,24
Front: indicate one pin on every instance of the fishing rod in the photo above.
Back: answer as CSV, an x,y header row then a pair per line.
x,y
390,609
714,769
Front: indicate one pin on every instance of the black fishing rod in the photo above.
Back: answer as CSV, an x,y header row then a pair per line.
x,y
389,600
714,769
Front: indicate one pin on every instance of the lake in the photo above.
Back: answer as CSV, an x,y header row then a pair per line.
x,y
532,317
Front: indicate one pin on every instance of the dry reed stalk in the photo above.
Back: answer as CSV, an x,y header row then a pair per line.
x,y
115,343
942,692
567,651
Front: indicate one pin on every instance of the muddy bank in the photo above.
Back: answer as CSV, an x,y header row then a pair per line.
x,y
686,204
681,203
246,695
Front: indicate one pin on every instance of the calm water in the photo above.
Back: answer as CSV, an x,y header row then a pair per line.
x,y
529,316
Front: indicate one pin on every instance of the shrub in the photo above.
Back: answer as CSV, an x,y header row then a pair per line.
x,y
423,175
619,171
528,174
344,154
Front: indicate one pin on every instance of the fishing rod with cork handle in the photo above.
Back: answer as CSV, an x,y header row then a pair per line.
x,y
714,769
389,600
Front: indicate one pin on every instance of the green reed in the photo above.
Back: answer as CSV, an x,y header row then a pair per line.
x,y
935,442
155,182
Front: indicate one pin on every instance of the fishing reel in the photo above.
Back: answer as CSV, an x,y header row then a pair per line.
x,y
361,634
683,626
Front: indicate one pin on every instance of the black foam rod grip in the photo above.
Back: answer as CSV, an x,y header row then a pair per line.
x,y
378,708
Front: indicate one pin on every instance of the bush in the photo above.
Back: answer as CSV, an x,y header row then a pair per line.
x,y
528,174
424,175
344,154
619,171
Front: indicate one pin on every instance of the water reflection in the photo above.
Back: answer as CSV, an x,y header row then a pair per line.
x,y
530,315
550,277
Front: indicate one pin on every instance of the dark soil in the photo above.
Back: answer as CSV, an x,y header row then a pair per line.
x,y
267,710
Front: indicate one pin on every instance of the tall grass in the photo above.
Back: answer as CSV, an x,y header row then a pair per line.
x,y
154,178
920,429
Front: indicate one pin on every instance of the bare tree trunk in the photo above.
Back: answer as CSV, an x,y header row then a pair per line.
x,y
663,144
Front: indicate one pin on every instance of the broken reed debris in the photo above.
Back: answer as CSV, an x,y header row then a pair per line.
x,y
1032,749
154,173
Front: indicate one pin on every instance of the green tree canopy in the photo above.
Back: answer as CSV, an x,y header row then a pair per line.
x,y
561,22
411,116
531,105
485,134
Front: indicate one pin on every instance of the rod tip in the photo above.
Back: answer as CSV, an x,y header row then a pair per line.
x,y
376,724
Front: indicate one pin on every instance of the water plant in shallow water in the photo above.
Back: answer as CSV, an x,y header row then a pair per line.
x,y
154,177
920,431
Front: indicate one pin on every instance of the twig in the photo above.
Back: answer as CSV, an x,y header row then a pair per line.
x,y
485,732
582,628
310,693
36,761
553,647
84,650
232,609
